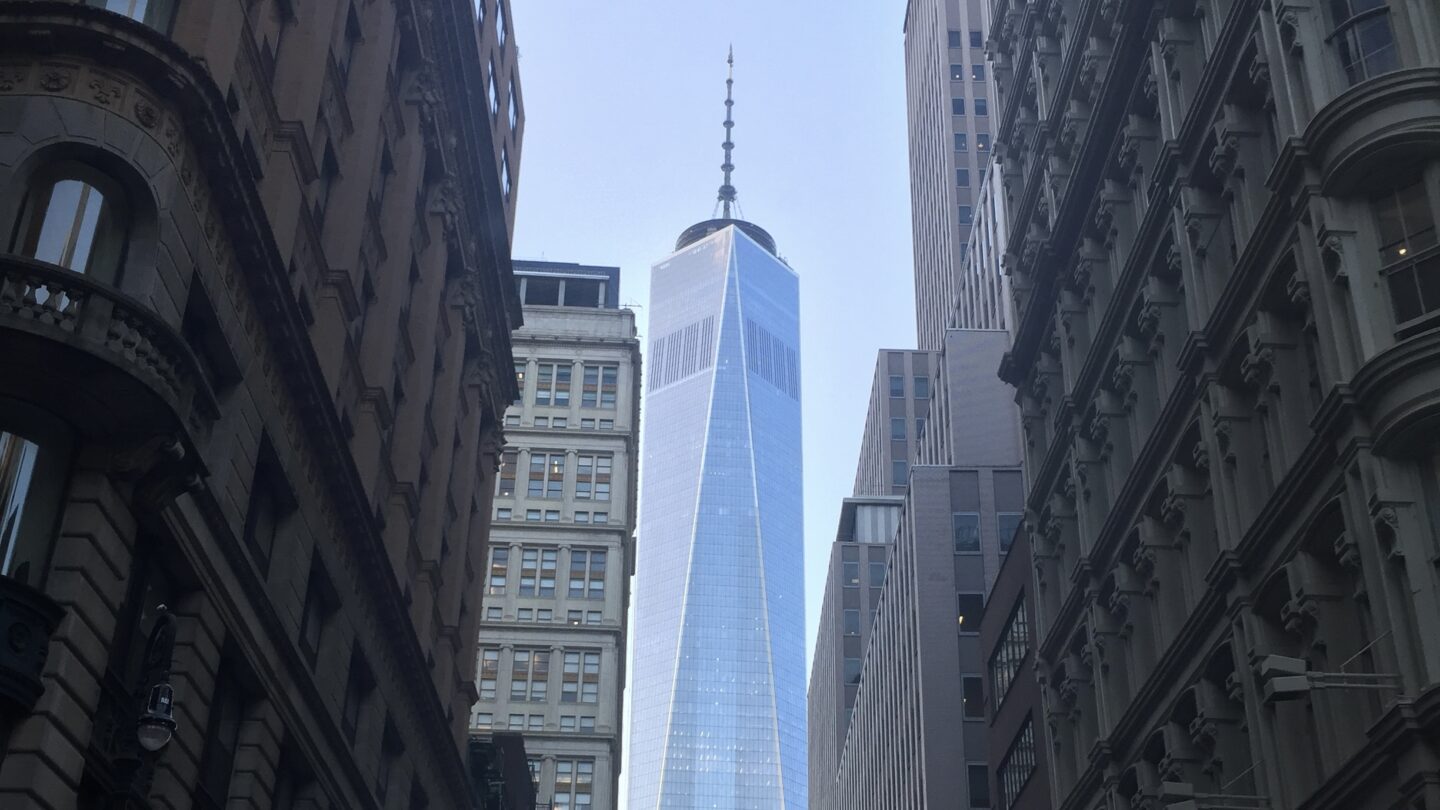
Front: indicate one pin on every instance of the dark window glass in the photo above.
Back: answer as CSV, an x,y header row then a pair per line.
x,y
957,72
897,386
977,40
961,144
957,106
982,107
973,697
967,215
357,686
1405,223
877,573
155,13
1006,524
970,607
979,779
1364,38
922,387
982,142
962,178
851,574
852,621
966,529
74,217
852,670
955,40
222,738
977,72
897,427
899,473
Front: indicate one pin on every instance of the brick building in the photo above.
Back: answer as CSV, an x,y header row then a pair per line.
x,y
255,308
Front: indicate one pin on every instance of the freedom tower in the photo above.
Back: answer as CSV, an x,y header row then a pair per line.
x,y
718,694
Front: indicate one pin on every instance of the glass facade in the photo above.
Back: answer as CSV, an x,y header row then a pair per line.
x,y
718,716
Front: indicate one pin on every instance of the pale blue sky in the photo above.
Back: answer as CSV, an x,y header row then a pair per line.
x,y
624,102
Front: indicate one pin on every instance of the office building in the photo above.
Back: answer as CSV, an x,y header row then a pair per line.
x,y
895,421
916,735
255,316
948,89
553,643
1225,260
854,577
719,700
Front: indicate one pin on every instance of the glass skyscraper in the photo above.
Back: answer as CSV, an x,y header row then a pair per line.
x,y
718,716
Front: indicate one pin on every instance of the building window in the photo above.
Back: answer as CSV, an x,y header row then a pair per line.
x,y
587,424
532,514
955,40
581,678
852,671
587,724
961,144
542,421
574,784
962,178
970,607
493,614
1364,37
74,217
514,107
965,527
607,424
982,142
922,387
492,91
982,106
357,688
547,475
850,573
271,502
537,571
222,739
967,215
390,750
877,573
525,615
32,485
503,513
587,573
519,383
1009,653
489,672
897,428
899,473
560,422
600,385
505,172
1006,524
897,386
977,40
499,569
155,13
552,384
545,615
972,690
600,517
505,486
852,621
530,675
552,515
592,477
1408,260
482,720
592,617
977,73
957,106
582,517
1017,766
321,601
345,57
325,184
978,777
919,428
957,72
500,33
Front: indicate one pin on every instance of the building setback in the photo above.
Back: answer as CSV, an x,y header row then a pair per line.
x,y
895,421
553,640
1224,256
255,315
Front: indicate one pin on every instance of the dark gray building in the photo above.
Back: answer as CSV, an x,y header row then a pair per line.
x,y
899,403
1223,247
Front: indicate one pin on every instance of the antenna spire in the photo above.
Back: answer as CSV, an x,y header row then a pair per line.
x,y
726,197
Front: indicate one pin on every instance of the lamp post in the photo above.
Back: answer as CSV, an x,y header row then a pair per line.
x,y
153,707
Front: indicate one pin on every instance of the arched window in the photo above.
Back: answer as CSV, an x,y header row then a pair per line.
x,y
1409,249
1364,37
75,217
155,13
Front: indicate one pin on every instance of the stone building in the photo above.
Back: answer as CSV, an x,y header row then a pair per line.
x,y
1223,251
255,316
554,636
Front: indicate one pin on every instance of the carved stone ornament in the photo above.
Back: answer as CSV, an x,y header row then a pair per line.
x,y
12,76
146,114
55,79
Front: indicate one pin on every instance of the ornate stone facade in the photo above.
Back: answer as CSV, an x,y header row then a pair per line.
x,y
270,373
1222,247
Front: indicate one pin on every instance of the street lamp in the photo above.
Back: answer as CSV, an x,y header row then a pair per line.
x,y
156,723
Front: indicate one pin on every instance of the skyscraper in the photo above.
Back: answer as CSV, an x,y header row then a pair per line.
x,y
719,691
